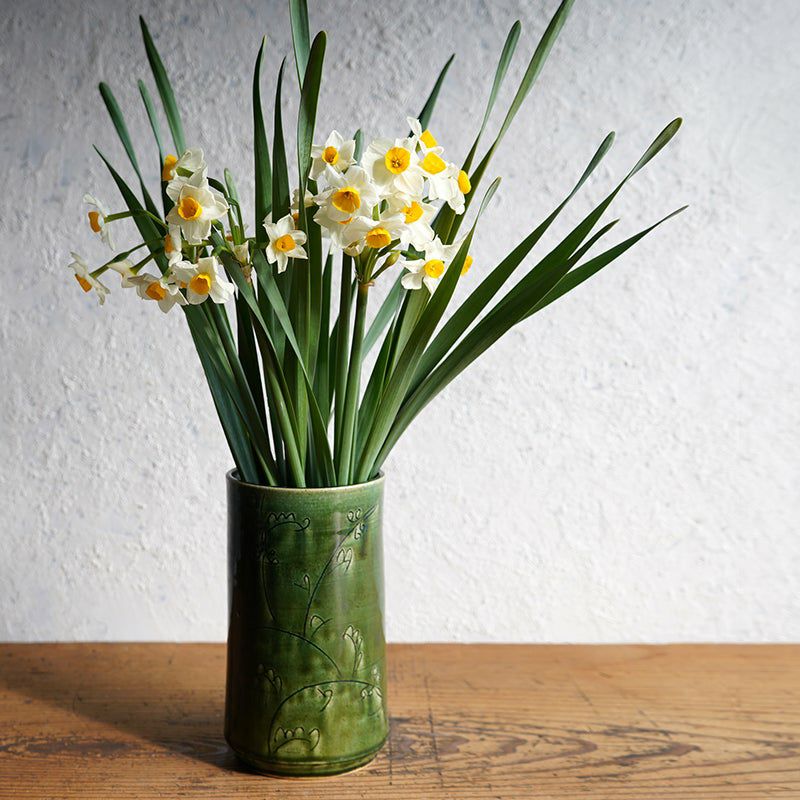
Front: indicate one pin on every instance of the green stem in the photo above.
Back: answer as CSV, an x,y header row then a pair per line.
x,y
138,213
342,336
344,467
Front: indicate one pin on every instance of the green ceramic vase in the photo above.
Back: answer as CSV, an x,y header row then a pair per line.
x,y
306,686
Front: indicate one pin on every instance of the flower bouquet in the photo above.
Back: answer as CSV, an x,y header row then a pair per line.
x,y
314,388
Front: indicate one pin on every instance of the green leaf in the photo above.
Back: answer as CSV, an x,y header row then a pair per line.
x,y
156,128
430,103
153,119
385,314
306,118
147,228
319,436
164,90
374,390
281,202
526,297
122,131
554,260
500,73
535,65
298,14
278,388
236,433
223,346
401,376
263,172
585,271
471,308
484,335
232,424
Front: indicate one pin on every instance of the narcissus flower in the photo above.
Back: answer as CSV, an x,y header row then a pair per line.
x,y
308,201
335,154
164,289
417,216
365,232
203,280
446,183
394,166
190,162
350,194
86,280
97,219
197,205
172,244
425,138
125,270
428,270
285,241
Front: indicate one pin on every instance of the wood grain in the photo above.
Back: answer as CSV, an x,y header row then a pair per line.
x,y
477,721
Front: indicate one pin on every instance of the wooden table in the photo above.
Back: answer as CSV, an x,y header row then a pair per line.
x,y
510,721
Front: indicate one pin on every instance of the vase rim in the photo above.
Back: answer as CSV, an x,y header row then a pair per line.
x,y
231,475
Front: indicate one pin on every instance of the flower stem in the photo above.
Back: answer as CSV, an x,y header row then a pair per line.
x,y
138,213
345,454
342,339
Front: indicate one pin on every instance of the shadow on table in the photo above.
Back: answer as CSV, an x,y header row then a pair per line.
x,y
156,705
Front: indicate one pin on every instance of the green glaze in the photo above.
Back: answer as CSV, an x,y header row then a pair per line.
x,y
306,687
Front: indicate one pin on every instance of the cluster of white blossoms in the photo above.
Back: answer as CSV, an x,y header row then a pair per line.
x,y
384,204
196,206
381,207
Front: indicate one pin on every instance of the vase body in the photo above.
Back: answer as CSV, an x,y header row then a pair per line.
x,y
306,673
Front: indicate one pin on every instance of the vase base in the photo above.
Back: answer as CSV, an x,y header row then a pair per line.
x,y
306,769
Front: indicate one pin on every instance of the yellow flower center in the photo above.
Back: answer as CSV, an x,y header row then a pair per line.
x,y
85,285
169,245
428,139
330,155
413,212
397,159
200,283
378,237
347,199
169,165
434,268
433,164
94,221
463,182
155,291
284,243
467,264
189,209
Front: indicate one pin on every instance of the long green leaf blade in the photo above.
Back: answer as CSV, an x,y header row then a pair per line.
x,y
430,103
122,131
401,377
500,73
298,15
164,90
263,171
470,309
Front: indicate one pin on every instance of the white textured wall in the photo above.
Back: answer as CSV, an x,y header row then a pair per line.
x,y
623,467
